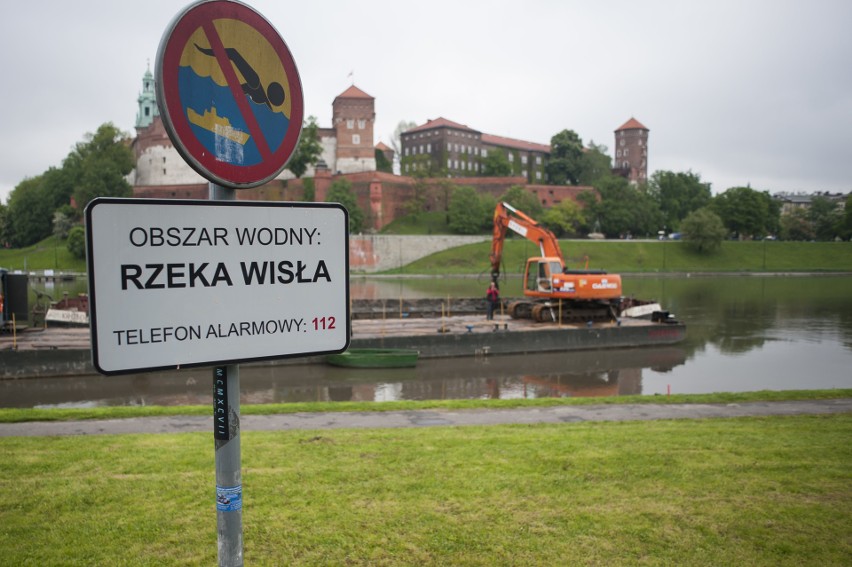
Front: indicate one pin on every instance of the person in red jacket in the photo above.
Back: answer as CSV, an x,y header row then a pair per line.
x,y
492,296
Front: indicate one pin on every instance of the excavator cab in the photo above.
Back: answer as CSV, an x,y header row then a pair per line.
x,y
539,275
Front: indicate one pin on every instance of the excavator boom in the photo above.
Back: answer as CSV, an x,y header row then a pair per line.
x,y
507,217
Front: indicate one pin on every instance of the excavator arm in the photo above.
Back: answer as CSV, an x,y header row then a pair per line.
x,y
507,217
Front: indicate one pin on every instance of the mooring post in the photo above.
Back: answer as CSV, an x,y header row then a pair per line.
x,y
226,432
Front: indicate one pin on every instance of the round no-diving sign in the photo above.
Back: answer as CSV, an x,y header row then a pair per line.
x,y
229,93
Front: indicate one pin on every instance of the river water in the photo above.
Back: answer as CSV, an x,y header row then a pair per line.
x,y
744,333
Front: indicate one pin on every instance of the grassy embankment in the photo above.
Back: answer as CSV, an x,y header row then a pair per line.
x,y
614,256
751,491
49,254
648,257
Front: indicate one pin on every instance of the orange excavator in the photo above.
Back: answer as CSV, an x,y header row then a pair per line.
x,y
552,291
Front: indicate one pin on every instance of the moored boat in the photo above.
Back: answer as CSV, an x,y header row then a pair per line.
x,y
374,358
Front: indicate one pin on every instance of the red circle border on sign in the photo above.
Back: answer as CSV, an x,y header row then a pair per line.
x,y
174,116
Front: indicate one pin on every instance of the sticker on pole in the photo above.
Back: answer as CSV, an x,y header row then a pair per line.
x,y
229,93
192,283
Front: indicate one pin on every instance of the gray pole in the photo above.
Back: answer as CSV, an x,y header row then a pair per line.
x,y
226,432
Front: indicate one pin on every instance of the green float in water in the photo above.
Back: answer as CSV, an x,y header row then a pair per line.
x,y
375,358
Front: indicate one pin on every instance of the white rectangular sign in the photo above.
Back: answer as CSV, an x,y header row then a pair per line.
x,y
188,283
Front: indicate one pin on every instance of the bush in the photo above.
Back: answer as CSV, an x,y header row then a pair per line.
x,y
76,242
703,230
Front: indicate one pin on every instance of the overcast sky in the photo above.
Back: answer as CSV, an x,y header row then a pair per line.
x,y
740,92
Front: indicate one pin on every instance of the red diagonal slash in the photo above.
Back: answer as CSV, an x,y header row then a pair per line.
x,y
237,89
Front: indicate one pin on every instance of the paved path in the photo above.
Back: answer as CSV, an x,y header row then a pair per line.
x,y
426,418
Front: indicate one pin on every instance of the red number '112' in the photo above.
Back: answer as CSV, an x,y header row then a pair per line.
x,y
323,323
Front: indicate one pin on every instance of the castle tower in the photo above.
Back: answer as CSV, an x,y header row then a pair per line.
x,y
631,152
147,101
353,114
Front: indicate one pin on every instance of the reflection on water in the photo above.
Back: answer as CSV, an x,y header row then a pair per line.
x,y
589,373
743,334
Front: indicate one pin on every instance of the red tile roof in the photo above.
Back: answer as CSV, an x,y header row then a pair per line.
x,y
353,92
512,143
440,123
382,147
632,124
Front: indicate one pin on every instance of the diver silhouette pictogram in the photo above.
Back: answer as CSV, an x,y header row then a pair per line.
x,y
273,95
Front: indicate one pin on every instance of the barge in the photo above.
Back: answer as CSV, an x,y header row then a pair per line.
x,y
392,325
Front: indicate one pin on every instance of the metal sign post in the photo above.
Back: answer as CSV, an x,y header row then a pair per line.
x,y
226,432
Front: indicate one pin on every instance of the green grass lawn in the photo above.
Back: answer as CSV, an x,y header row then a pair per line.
x,y
752,491
49,254
614,256
647,257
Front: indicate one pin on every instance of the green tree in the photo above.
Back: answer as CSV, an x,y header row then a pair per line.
x,y
76,242
746,212
564,219
566,159
4,226
487,204
621,209
496,164
846,229
98,166
826,218
594,165
309,149
309,192
678,194
29,213
797,225
465,213
523,200
416,203
703,230
382,163
64,218
341,192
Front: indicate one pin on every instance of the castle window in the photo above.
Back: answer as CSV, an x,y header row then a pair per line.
x,y
625,151
350,123
524,173
484,152
429,148
538,161
362,124
524,160
356,139
538,175
511,157
449,163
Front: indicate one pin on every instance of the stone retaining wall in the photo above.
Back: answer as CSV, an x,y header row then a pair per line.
x,y
378,252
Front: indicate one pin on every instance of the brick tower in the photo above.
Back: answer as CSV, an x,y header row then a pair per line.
x,y
353,114
631,152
